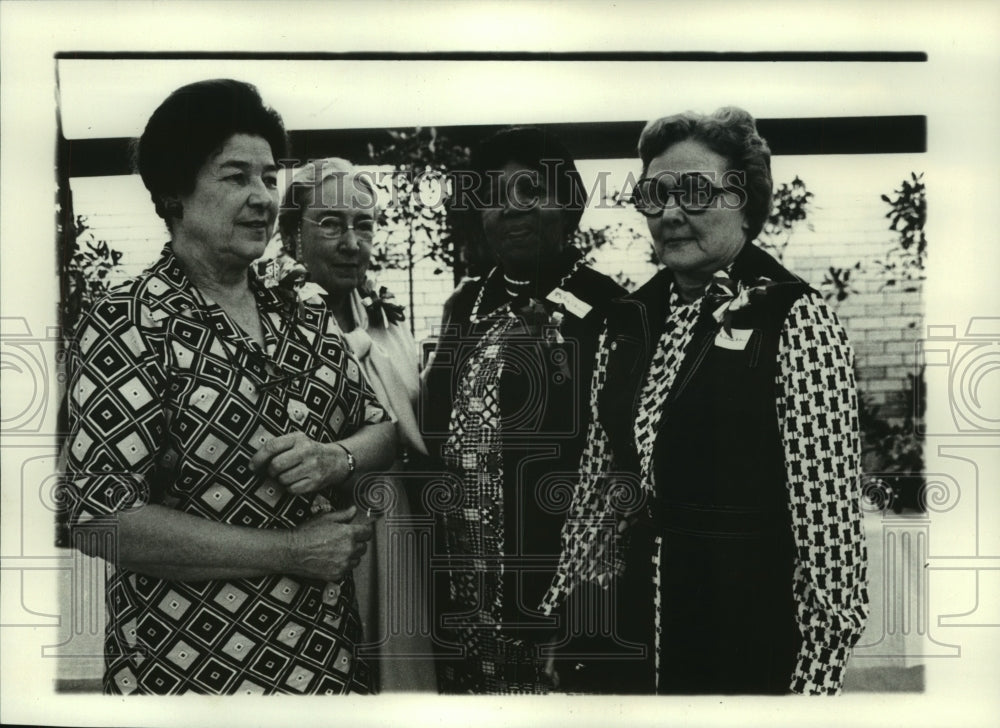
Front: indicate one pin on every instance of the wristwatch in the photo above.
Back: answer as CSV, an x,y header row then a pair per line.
x,y
351,462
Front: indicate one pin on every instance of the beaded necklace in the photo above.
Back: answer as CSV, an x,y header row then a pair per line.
x,y
475,317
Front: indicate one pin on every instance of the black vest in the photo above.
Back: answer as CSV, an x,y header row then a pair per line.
x,y
544,407
721,503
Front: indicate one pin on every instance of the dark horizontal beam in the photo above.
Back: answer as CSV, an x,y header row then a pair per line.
x,y
592,140
606,56
846,135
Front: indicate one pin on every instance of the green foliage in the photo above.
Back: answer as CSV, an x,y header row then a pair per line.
x,y
415,222
790,206
895,448
837,282
87,266
904,264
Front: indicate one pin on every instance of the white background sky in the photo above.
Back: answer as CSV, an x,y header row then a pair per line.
x,y
114,98
958,89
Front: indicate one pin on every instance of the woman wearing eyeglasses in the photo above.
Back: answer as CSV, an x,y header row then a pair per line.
x,y
725,395
503,407
205,414
327,222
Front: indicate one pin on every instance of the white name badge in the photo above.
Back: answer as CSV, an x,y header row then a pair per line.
x,y
573,304
737,341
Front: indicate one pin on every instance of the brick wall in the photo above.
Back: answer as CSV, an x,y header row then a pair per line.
x,y
849,225
846,223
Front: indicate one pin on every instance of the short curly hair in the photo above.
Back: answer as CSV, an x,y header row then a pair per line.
x,y
193,123
731,133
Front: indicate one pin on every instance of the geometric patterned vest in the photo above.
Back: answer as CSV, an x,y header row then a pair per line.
x,y
721,504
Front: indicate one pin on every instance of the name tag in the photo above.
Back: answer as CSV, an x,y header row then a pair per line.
x,y
737,341
573,304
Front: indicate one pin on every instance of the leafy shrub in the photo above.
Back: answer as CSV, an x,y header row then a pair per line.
x,y
87,266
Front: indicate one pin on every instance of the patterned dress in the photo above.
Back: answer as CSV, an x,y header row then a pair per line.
x,y
515,370
168,401
816,410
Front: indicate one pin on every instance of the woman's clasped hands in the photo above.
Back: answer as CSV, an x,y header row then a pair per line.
x,y
329,545
301,464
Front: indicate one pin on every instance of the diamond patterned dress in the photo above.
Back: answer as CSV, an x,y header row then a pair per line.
x,y
168,401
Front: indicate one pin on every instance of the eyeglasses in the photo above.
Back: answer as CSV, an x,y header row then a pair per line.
x,y
334,228
692,192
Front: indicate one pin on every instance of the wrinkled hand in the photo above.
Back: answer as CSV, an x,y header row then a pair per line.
x,y
301,464
328,546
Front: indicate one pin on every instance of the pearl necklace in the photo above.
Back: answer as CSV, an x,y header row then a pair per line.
x,y
513,286
514,281
475,317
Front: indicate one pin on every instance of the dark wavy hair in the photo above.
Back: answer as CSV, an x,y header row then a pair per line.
x,y
731,133
193,123
536,149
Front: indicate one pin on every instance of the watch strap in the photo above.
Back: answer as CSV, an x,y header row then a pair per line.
x,y
351,462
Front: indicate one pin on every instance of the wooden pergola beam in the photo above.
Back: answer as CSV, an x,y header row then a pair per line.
x,y
587,140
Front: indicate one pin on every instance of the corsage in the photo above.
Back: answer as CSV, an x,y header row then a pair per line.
x,y
287,275
382,304
729,296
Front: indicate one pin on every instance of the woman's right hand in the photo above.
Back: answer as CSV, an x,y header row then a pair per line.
x,y
328,546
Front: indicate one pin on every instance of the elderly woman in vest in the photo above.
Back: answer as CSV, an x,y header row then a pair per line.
x,y
723,460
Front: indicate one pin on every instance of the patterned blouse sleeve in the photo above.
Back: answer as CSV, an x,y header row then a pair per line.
x,y
818,416
116,420
590,547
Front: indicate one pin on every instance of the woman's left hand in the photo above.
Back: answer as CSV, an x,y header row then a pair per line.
x,y
301,464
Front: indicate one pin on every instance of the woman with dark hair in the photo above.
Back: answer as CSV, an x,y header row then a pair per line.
x,y
327,223
206,413
504,398
725,391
